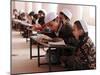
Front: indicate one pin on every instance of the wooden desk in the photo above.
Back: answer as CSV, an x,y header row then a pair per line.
x,y
22,22
39,43
16,23
19,22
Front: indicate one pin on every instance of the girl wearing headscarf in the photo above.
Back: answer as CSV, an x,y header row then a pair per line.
x,y
85,54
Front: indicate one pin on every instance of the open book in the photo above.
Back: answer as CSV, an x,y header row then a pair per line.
x,y
57,43
51,41
43,37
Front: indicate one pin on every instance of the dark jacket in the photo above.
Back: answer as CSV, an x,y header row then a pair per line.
x,y
41,20
66,33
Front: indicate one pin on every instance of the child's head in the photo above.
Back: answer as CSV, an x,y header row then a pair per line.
x,y
51,21
79,28
41,13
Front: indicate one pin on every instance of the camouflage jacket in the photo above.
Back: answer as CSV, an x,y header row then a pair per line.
x,y
88,55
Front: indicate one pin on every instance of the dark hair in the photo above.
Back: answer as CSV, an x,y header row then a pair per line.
x,y
14,10
35,16
79,26
54,20
64,15
22,14
31,13
40,11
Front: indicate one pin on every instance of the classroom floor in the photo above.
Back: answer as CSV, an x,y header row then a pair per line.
x,y
21,62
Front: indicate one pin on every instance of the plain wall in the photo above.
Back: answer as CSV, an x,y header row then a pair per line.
x,y
78,11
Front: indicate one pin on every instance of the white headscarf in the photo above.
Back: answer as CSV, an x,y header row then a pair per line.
x,y
67,13
84,25
50,16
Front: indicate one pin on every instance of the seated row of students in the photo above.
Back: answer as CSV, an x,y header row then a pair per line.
x,y
37,20
32,16
80,52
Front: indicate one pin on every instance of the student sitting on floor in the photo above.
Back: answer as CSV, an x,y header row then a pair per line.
x,y
85,54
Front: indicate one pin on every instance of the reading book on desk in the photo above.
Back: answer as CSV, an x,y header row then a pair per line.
x,y
51,41
57,43
44,37
75,23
